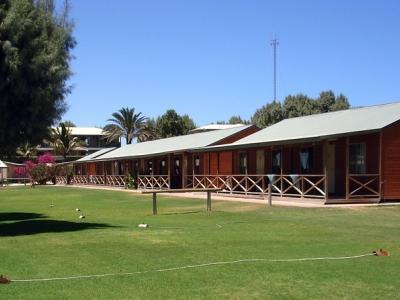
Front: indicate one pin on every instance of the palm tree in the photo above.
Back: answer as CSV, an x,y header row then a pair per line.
x,y
125,123
26,150
63,141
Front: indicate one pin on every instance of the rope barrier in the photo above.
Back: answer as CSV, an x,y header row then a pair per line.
x,y
218,263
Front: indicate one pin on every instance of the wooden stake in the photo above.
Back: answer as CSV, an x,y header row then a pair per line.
x,y
154,203
208,201
269,194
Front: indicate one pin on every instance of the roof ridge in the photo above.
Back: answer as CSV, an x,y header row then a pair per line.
x,y
194,133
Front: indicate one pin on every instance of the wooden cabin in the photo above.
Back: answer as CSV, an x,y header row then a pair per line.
x,y
344,156
339,157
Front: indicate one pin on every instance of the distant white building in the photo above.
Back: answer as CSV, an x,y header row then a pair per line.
x,y
211,127
93,137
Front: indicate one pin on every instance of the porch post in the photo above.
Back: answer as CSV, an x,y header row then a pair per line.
x,y
325,158
104,173
193,166
169,171
184,169
347,167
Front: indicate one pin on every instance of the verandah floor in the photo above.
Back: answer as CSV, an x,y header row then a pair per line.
x,y
276,200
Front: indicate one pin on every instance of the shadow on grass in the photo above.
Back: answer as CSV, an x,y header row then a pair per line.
x,y
28,227
18,216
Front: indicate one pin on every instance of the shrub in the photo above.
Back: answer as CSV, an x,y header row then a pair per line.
x,y
46,158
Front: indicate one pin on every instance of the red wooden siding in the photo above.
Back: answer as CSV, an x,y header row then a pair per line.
x,y
225,163
391,162
213,163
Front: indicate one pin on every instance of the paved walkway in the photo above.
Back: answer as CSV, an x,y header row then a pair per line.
x,y
279,201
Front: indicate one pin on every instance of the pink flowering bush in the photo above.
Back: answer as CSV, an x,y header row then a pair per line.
x,y
46,158
43,171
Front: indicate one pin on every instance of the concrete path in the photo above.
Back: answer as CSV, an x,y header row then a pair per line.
x,y
279,201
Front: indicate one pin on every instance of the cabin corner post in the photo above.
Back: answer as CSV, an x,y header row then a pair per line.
x,y
325,159
347,167
380,166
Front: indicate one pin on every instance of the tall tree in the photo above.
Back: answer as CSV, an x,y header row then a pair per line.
x,y
172,124
63,141
35,55
297,106
267,115
127,124
69,124
188,124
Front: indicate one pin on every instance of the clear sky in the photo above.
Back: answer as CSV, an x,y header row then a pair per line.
x,y
212,59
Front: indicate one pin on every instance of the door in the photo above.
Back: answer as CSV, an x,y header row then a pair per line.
x,y
260,162
331,168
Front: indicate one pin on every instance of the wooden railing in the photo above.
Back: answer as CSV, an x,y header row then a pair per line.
x,y
61,179
364,186
301,185
97,179
80,179
116,180
153,182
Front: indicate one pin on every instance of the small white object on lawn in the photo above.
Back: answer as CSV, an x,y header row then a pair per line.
x,y
81,217
77,209
143,225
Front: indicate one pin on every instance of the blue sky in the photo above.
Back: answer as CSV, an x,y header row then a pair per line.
x,y
212,59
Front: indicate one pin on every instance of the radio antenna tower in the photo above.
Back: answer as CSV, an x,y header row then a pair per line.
x,y
274,44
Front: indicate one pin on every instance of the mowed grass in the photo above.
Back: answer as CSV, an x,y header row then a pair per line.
x,y
40,241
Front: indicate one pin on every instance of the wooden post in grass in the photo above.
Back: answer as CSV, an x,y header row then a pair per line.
x,y
208,201
154,203
269,194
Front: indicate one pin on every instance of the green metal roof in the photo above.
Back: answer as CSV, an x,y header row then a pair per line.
x,y
95,154
322,126
171,145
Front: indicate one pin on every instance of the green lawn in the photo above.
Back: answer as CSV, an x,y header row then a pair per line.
x,y
40,241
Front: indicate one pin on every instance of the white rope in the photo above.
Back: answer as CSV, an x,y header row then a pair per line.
x,y
196,266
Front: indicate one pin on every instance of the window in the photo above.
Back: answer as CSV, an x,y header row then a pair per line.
x,y
197,165
357,156
150,168
306,160
276,161
243,163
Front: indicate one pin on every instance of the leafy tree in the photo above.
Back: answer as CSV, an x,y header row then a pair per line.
x,y
35,54
188,124
236,120
127,124
267,115
63,141
69,124
172,124
297,106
